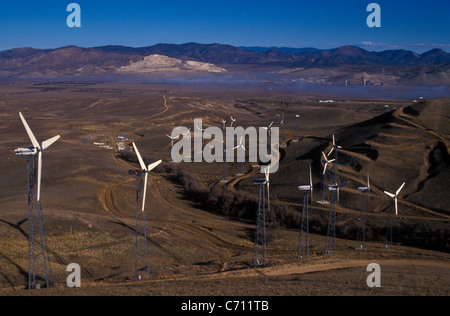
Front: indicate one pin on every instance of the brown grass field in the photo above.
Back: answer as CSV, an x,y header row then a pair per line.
x,y
89,198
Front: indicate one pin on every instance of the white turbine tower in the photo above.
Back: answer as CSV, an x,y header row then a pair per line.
x,y
141,247
39,263
389,233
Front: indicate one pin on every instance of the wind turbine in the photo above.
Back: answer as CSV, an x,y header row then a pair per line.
x,y
282,124
36,149
224,122
240,164
39,262
141,247
297,136
233,121
269,135
267,174
336,149
173,138
395,197
361,234
389,233
260,250
326,162
334,206
304,225
269,128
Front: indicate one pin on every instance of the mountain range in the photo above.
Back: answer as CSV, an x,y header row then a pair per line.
x,y
30,62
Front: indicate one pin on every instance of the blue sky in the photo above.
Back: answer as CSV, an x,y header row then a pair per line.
x,y
414,25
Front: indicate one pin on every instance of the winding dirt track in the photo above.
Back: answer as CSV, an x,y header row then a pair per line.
x,y
107,197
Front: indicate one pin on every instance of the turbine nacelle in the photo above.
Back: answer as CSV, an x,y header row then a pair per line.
x,y
28,151
366,188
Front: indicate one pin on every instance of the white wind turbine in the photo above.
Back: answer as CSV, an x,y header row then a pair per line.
x,y
361,233
335,147
326,162
141,246
39,261
233,121
325,171
395,197
267,174
304,225
389,230
173,138
36,149
269,128
309,187
224,122
145,170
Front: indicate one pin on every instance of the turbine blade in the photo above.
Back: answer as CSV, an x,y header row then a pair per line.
x,y
141,161
49,142
29,132
334,141
401,188
389,194
39,176
154,165
332,149
145,192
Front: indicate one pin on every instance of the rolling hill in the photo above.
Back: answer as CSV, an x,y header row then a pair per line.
x,y
428,68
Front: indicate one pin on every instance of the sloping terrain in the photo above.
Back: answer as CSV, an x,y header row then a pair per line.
x,y
89,197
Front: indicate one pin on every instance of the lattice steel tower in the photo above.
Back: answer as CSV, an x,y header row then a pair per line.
x,y
361,234
303,242
39,269
260,249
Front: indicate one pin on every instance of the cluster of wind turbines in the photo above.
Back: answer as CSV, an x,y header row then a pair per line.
x,y
334,190
39,263
40,274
